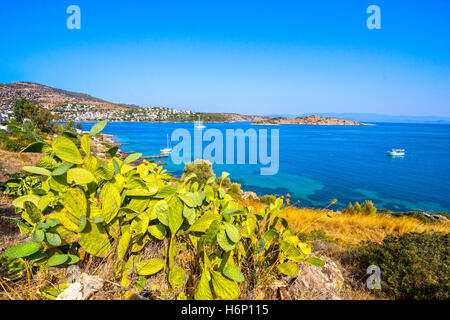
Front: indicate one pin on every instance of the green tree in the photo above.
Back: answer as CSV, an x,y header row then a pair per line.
x,y
18,109
39,116
23,109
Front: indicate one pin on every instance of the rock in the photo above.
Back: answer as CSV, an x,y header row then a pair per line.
x,y
74,274
317,283
434,216
440,218
249,195
73,292
91,284
25,237
83,289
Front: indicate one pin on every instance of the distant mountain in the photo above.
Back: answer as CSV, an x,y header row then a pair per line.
x,y
373,117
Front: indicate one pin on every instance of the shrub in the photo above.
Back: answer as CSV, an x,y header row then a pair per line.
x,y
367,208
413,266
414,214
14,142
208,246
203,173
202,170
315,235
385,211
268,199
235,189
13,127
224,182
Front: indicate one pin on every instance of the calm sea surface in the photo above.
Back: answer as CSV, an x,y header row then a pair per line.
x,y
320,163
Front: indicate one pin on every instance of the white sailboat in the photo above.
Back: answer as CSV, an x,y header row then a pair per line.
x,y
198,124
396,153
168,149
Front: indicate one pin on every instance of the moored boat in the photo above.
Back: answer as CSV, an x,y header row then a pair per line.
x,y
199,124
396,152
168,149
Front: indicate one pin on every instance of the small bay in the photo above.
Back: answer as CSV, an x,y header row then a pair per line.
x,y
320,163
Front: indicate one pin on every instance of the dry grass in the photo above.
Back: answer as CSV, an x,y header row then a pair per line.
x,y
352,229
12,162
356,228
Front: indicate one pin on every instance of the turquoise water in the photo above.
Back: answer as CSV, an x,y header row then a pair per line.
x,y
320,163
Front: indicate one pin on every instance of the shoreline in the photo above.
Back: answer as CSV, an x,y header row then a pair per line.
x,y
250,122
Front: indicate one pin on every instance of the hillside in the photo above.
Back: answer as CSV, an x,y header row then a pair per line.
x,y
45,95
67,105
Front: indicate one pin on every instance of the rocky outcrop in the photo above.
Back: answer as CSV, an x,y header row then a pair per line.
x,y
83,287
324,283
435,216
249,195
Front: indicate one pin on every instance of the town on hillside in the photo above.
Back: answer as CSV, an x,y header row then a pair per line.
x,y
77,112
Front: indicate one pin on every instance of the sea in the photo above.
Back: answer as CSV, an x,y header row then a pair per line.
x,y
320,163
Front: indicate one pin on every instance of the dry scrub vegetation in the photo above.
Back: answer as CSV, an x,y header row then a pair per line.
x,y
351,229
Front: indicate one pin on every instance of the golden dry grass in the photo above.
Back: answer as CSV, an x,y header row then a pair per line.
x,y
12,162
352,229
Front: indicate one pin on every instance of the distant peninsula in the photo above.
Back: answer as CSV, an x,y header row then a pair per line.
x,y
310,120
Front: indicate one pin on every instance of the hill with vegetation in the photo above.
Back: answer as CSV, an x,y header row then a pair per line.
x,y
67,105
45,95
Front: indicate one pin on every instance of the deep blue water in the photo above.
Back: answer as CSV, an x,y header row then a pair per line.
x,y
320,163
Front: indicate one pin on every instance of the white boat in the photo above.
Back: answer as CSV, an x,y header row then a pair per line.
x,y
168,149
396,152
198,124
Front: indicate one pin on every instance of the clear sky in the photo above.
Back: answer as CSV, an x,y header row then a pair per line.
x,y
245,56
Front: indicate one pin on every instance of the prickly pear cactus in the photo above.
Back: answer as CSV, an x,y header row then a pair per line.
x,y
111,209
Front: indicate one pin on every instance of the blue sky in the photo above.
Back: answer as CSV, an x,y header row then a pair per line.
x,y
253,57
